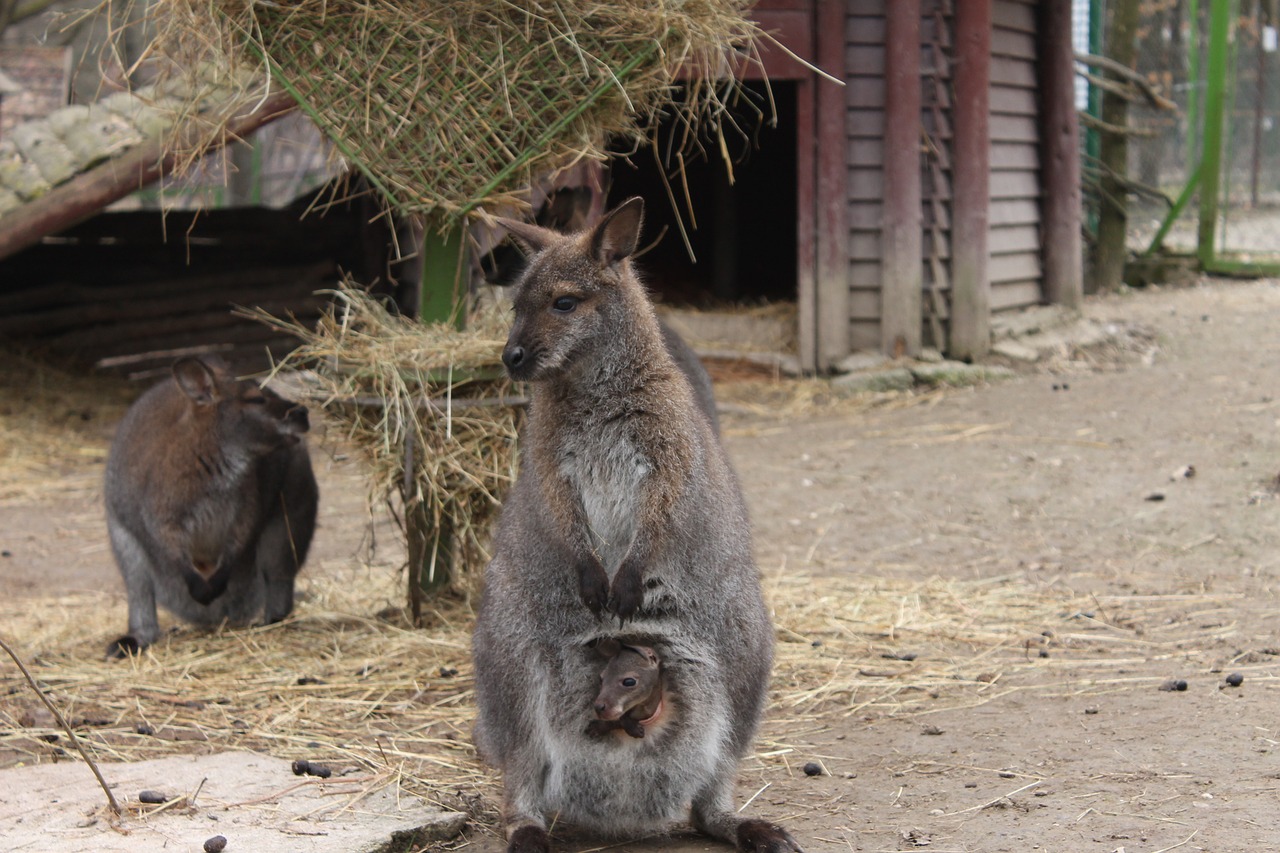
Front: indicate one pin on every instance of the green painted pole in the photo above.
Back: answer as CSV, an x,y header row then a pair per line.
x,y
1214,100
1193,82
442,285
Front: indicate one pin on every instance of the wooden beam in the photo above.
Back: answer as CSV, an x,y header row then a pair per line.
x,y
832,284
1060,161
89,192
970,182
902,281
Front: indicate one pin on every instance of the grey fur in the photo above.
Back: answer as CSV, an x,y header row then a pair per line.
x,y
210,501
620,470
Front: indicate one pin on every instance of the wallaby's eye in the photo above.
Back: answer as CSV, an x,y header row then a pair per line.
x,y
628,682
564,304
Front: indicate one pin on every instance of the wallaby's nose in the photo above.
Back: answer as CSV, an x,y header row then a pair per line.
x,y
513,357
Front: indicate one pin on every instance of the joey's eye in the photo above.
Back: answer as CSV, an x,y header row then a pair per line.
x,y
564,304
628,682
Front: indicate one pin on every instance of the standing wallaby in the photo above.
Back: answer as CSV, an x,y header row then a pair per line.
x,y
211,501
631,694
625,510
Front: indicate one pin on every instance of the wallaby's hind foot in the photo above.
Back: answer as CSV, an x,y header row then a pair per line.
x,y
124,647
761,836
529,839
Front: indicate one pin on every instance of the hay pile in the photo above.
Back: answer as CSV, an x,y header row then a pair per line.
x,y
430,407
447,106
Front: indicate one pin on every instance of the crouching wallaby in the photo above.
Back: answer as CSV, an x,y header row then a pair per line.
x,y
631,694
625,510
211,501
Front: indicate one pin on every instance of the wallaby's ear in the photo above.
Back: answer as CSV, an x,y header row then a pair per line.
x,y
196,381
607,647
532,237
616,235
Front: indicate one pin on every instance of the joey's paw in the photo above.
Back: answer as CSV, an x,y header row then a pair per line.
x,y
123,647
761,836
593,586
529,839
628,592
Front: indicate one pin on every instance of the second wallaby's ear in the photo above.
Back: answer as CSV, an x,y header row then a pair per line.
x,y
616,236
607,647
532,237
196,381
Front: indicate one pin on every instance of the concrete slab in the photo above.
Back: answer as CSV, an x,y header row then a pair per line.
x,y
253,800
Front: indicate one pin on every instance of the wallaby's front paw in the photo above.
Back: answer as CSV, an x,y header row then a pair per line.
x,y
593,586
123,647
760,836
628,592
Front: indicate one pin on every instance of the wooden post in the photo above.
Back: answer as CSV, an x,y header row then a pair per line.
x,y
971,182
1113,217
1060,161
902,282
432,547
832,203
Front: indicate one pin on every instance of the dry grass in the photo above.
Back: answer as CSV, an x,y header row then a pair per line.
x,y
437,395
448,106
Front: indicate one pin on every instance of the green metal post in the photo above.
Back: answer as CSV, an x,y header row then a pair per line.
x,y
442,285
1215,96
1092,140
1193,82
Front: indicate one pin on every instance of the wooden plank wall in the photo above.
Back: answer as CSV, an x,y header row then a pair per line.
x,y
1015,265
127,292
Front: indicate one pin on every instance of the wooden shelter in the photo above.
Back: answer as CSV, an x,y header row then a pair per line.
x,y
938,186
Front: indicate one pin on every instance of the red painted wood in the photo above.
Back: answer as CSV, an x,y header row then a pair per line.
x,y
970,206
902,239
1063,258
832,284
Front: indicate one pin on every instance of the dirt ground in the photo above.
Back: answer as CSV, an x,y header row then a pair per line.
x,y
1138,478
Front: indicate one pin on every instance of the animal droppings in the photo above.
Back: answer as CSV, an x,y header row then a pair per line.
x,y
1235,679
813,768
303,767
1174,684
152,797
216,844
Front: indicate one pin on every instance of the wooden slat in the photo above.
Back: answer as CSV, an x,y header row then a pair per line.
x,y
866,184
865,215
864,29
864,245
1014,155
1006,42
865,93
865,124
1006,128
864,304
1021,266
866,152
1013,295
864,60
1014,238
867,7
1007,99
864,274
1012,185
1015,16
1007,71
1014,212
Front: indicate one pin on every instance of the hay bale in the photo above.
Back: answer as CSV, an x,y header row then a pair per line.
x,y
447,106
432,390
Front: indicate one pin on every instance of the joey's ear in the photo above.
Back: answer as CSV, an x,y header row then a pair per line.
x,y
196,381
532,237
607,647
616,235
650,656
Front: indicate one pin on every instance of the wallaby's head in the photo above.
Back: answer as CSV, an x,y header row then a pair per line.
x,y
630,679
577,292
237,412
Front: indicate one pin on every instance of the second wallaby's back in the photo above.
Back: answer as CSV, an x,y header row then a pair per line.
x,y
626,516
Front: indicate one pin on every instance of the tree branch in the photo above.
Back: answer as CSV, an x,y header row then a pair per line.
x,y
1129,75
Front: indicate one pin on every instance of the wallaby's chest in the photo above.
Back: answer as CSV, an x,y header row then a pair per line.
x,y
607,473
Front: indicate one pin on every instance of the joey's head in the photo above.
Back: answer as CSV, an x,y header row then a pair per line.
x,y
574,299
631,679
237,414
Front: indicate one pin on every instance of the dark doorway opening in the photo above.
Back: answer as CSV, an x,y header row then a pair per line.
x,y
743,235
